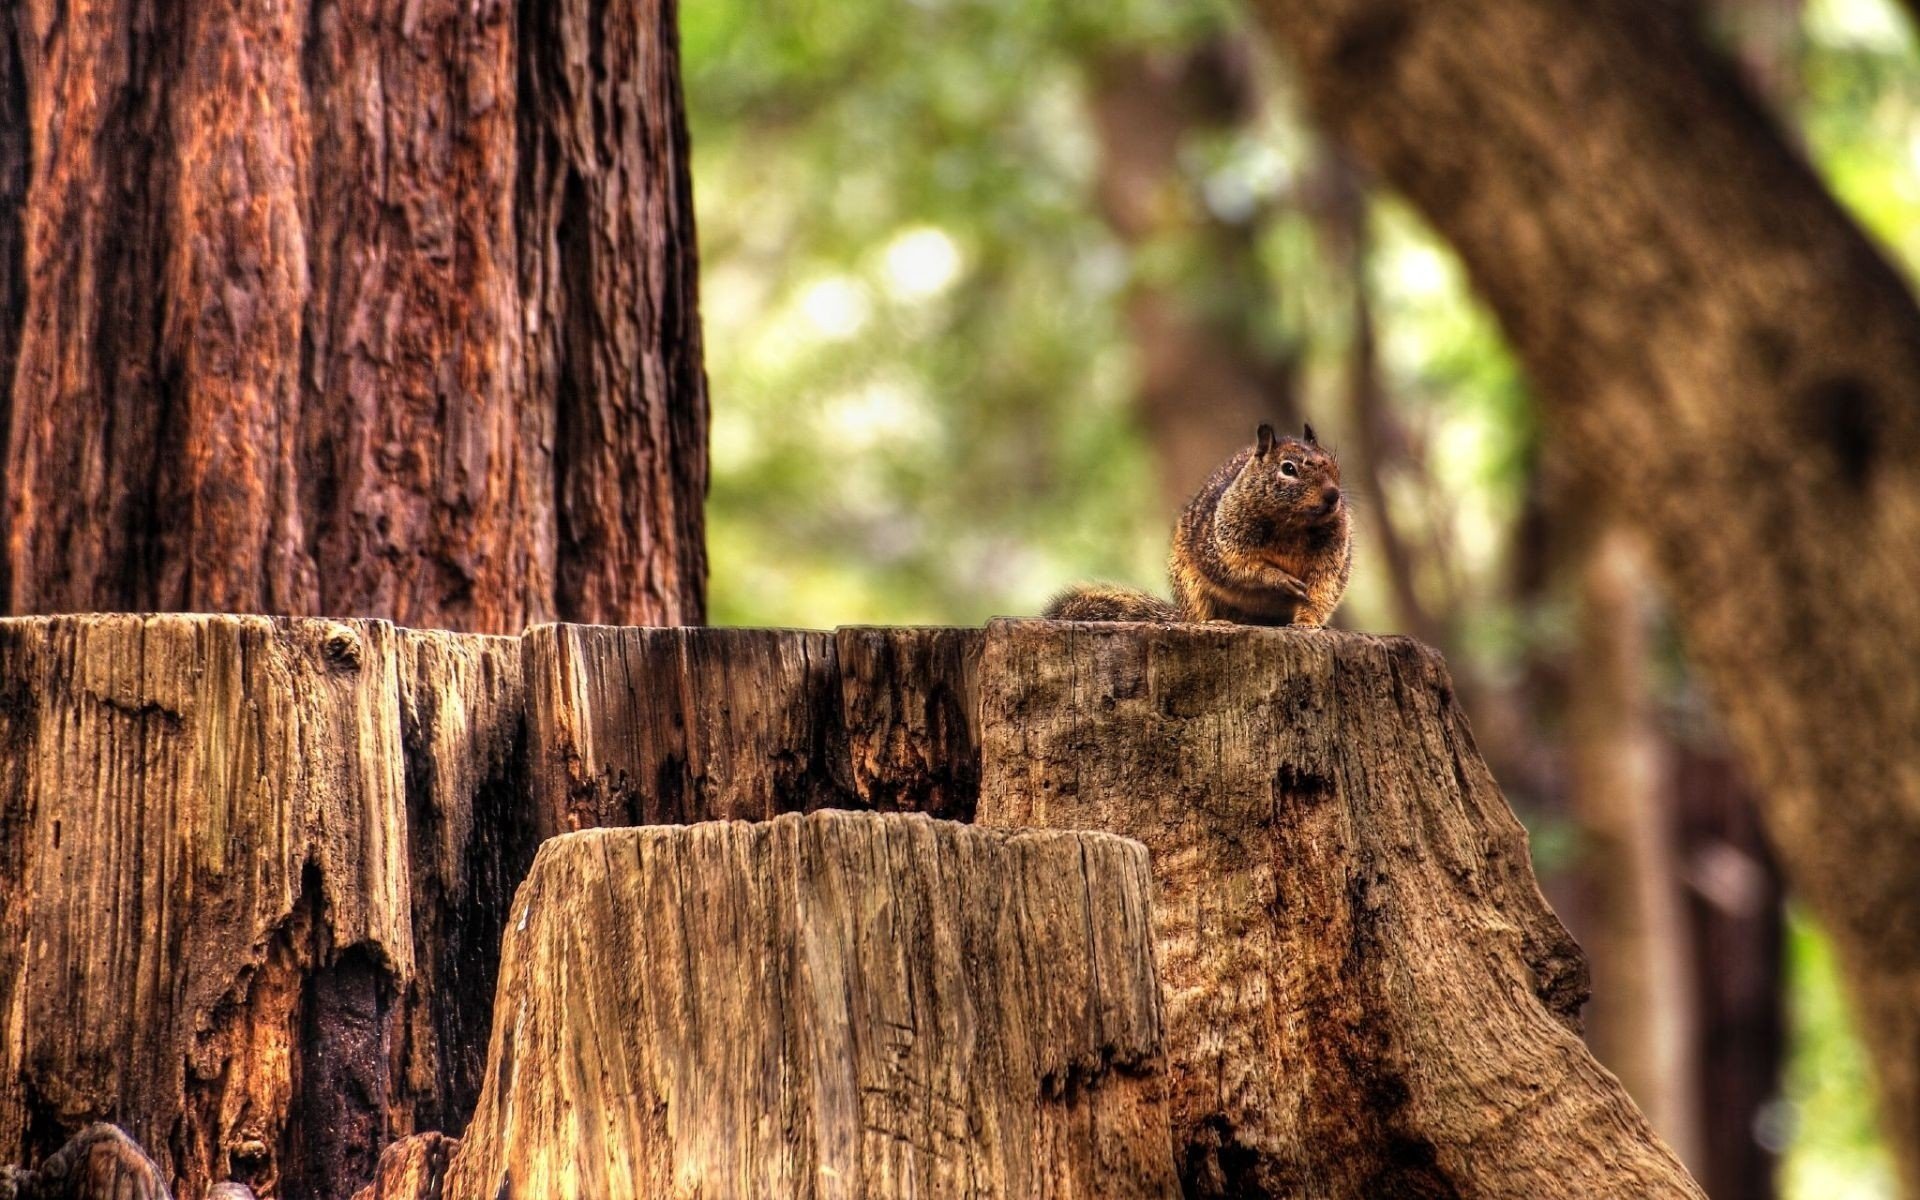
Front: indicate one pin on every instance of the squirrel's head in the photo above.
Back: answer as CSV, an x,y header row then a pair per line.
x,y
1294,479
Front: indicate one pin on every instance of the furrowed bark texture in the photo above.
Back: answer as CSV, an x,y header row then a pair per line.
x,y
252,878
347,307
1366,994
841,1004
1722,349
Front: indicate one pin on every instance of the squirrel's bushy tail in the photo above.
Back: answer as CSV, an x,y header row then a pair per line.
x,y
1108,602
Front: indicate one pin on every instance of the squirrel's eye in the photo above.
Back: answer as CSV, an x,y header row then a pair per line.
x,y
1287,468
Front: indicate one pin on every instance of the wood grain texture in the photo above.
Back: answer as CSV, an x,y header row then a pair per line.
x,y
217,834
641,726
349,307
470,842
840,1004
1366,994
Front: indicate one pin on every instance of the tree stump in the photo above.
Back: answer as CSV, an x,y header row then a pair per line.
x,y
843,1004
1366,993
252,874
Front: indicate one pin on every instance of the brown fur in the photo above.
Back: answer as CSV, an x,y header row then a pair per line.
x,y
1255,546
1109,602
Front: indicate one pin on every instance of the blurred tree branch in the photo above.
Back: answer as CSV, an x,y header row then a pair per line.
x,y
1206,376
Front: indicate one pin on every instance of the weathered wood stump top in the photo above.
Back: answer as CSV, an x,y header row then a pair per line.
x,y
254,873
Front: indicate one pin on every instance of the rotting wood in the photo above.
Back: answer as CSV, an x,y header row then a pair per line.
x,y
246,865
1366,994
839,1004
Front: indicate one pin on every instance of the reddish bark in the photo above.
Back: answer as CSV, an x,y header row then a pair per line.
x,y
349,308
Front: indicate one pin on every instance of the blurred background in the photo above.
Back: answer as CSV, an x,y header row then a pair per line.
x,y
988,287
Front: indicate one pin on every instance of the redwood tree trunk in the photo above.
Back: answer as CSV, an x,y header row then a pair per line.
x,y
350,308
1723,351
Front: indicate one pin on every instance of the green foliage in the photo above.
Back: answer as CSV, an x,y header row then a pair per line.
x,y
920,389
1826,1118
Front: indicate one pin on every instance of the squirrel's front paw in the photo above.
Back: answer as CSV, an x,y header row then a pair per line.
x,y
1289,585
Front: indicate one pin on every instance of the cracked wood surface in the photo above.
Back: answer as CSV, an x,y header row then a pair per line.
x,y
253,875
1366,993
640,726
255,872
833,1005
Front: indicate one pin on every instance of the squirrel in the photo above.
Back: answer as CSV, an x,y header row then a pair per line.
x,y
1268,540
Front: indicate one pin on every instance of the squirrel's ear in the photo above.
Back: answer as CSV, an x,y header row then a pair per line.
x,y
1263,440
1311,440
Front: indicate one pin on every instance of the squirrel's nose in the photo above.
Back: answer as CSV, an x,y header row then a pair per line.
x,y
1329,496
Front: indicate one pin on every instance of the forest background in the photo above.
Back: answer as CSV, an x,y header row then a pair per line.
x,y
987,287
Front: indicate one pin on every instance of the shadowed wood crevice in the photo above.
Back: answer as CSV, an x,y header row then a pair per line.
x,y
639,726
909,709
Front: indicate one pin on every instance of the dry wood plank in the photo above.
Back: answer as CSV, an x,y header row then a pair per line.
x,y
839,1004
1366,994
216,834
